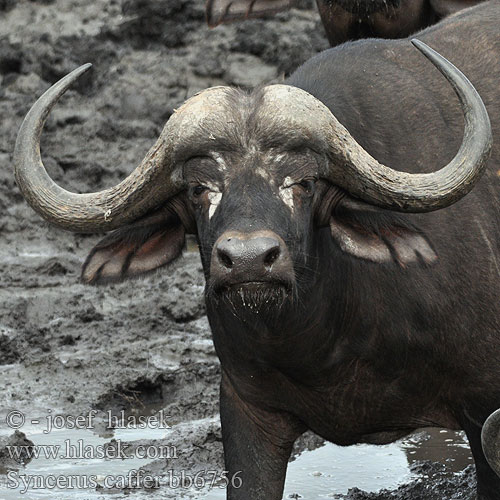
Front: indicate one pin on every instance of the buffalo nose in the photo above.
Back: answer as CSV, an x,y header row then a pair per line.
x,y
257,256
261,251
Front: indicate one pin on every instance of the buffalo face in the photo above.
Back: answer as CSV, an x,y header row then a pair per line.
x,y
253,208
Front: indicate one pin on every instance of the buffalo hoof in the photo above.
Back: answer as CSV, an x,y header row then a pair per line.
x,y
490,438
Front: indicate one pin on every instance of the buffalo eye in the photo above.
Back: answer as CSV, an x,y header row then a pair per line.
x,y
307,185
198,190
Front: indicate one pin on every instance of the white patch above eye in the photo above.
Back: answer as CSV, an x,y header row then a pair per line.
x,y
214,198
286,193
262,172
213,187
287,182
220,161
279,157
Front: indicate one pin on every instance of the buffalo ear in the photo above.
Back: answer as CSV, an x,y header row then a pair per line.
x,y
151,242
379,236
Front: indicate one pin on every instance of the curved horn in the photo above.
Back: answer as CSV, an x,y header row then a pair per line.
x,y
355,170
150,184
490,440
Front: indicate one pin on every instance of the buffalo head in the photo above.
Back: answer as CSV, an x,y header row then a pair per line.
x,y
254,175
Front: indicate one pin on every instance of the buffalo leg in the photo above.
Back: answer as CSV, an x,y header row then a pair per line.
x,y
488,483
257,445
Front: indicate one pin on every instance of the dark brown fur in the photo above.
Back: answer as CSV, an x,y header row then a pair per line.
x,y
363,350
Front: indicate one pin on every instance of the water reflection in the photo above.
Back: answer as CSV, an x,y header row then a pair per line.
x,y
439,445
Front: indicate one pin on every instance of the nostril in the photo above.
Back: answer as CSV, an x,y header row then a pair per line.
x,y
224,259
271,256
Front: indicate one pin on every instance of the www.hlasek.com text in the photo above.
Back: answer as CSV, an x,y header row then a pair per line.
x,y
80,451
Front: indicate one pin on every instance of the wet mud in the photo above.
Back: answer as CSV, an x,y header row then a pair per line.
x,y
142,346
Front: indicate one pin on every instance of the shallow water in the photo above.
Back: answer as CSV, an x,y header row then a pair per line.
x,y
316,474
333,469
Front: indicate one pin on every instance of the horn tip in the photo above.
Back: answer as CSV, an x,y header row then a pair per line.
x,y
423,47
84,67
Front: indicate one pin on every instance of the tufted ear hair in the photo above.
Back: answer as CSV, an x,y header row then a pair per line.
x,y
149,243
377,235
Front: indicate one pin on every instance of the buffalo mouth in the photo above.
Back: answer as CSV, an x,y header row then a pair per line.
x,y
255,295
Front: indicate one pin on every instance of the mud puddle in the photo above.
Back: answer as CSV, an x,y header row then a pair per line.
x,y
95,464
331,470
326,472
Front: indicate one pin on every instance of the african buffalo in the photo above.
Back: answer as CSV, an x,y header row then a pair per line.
x,y
348,19
337,304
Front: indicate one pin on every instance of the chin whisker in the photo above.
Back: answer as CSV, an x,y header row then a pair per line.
x,y
254,298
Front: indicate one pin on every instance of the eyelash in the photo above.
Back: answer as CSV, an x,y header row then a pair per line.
x,y
198,190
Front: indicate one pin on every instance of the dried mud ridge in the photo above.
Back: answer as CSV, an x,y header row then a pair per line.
x,y
146,344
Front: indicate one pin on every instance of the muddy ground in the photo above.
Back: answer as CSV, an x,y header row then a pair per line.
x,y
142,346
